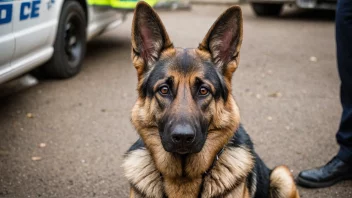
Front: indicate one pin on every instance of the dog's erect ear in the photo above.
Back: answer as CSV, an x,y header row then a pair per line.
x,y
149,38
223,41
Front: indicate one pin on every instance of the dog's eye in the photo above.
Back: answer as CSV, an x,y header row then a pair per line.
x,y
203,91
164,90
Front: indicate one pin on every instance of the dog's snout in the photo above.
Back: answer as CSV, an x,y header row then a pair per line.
x,y
183,134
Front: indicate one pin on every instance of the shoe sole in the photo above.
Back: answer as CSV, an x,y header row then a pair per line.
x,y
310,184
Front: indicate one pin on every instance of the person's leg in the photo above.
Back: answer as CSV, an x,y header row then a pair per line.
x,y
344,62
340,167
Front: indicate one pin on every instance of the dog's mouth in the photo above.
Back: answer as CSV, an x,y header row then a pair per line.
x,y
183,151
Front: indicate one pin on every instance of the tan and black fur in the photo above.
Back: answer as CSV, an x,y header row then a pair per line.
x,y
221,162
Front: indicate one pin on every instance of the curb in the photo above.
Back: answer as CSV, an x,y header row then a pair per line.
x,y
217,2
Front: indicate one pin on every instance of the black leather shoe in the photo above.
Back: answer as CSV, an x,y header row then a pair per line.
x,y
334,171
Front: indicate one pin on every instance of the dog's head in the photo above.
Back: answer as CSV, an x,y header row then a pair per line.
x,y
185,94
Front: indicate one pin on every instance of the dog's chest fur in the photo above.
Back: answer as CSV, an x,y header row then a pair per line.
x,y
227,178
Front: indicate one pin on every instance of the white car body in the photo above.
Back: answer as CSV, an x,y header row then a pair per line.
x,y
28,30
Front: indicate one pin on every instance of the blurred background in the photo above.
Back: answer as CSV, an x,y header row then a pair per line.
x,y
67,86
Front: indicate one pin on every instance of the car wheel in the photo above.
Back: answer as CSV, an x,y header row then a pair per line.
x,y
267,9
70,42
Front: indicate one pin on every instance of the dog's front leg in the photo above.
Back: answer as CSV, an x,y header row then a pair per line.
x,y
132,193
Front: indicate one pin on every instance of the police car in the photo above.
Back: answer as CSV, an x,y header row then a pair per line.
x,y
49,33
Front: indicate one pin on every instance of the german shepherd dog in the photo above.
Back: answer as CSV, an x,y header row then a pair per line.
x,y
191,142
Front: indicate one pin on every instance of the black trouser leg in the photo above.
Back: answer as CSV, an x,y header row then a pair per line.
x,y
344,62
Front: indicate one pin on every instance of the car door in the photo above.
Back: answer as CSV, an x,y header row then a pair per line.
x,y
32,26
7,42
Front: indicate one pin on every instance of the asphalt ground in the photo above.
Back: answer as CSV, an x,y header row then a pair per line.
x,y
66,138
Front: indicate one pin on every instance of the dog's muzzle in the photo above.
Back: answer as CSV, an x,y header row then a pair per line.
x,y
181,139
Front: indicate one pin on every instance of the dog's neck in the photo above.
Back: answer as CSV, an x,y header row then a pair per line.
x,y
142,172
185,185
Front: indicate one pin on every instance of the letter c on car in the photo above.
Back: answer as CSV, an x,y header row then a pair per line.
x,y
25,10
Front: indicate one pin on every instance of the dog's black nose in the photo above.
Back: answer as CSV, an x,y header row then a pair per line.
x,y
183,134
